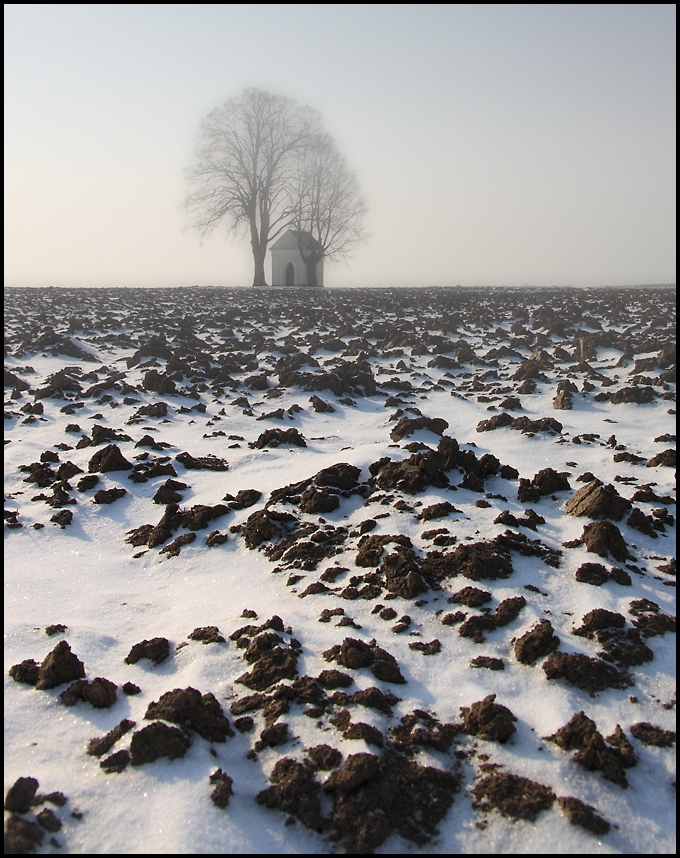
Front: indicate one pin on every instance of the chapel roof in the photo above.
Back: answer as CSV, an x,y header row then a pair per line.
x,y
292,237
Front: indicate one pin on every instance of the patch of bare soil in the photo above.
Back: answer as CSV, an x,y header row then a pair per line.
x,y
582,671
592,752
536,643
489,720
373,797
513,796
583,815
155,649
156,741
59,666
193,710
650,735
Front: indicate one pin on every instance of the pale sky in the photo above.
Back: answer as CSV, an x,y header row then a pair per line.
x,y
495,144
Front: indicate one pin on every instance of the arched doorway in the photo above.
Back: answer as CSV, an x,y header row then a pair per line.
x,y
289,277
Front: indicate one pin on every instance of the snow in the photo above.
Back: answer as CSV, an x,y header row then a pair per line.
x,y
85,576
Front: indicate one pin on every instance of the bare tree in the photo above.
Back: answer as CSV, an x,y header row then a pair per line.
x,y
326,204
245,162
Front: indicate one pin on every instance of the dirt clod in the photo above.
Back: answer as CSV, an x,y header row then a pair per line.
x,y
116,763
324,757
20,795
99,747
155,649
582,671
513,796
158,740
537,642
598,501
579,813
59,666
648,734
100,692
223,788
592,752
295,792
488,662
22,836
604,538
481,561
190,709
488,720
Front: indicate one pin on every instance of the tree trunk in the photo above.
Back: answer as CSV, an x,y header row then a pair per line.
x,y
259,278
311,260
310,265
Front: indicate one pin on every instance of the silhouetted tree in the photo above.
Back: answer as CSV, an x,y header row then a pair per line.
x,y
263,164
327,204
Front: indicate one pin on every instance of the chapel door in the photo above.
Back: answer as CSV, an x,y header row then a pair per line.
x,y
290,274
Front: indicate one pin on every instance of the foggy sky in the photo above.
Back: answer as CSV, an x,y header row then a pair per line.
x,y
495,144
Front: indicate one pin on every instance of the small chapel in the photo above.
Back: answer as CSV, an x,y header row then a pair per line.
x,y
289,253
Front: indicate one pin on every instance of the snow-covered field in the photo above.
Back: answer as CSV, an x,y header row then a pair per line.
x,y
455,607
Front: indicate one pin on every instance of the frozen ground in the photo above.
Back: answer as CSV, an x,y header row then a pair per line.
x,y
220,360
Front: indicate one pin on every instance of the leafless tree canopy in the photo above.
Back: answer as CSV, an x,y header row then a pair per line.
x,y
327,203
262,164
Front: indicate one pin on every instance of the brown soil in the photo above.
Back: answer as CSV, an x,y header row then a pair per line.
x,y
488,662
191,710
604,538
508,610
354,654
202,463
108,459
592,573
318,501
324,757
295,792
374,797
599,619
583,815
100,693
334,679
488,720
650,735
513,796
20,795
582,671
409,425
207,634
470,596
264,525
158,740
275,437
414,474
271,660
536,643
101,746
598,501
22,836
548,481
481,561
374,698
172,549
371,548
155,649
591,750
475,626
223,788
107,496
59,666
420,730
27,671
